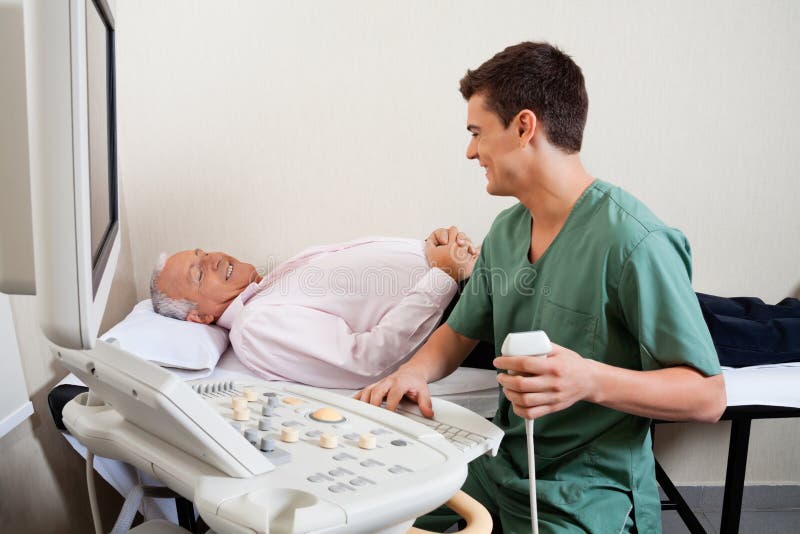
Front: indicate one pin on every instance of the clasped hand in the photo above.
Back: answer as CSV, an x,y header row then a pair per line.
x,y
545,385
452,252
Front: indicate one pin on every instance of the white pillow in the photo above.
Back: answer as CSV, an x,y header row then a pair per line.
x,y
190,349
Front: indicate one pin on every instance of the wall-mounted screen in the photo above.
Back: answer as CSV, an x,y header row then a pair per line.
x,y
102,136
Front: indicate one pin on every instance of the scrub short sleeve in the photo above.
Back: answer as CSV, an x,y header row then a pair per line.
x,y
472,315
660,307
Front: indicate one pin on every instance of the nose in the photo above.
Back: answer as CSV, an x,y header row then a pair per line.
x,y
472,149
213,260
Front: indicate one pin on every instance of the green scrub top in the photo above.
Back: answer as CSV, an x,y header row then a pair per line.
x,y
614,286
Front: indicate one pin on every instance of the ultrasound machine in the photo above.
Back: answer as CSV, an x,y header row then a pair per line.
x,y
251,455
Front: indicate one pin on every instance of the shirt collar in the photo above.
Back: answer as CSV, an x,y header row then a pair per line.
x,y
235,308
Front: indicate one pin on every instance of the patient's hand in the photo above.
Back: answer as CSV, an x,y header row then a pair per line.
x,y
451,251
454,260
445,236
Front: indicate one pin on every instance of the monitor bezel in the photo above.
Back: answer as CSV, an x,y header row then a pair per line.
x,y
100,259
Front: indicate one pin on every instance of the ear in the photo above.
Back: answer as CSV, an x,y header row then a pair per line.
x,y
526,126
195,317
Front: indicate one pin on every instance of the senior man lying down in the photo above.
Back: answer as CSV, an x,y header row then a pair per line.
x,y
337,316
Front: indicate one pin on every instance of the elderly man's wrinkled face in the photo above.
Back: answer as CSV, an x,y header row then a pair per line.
x,y
210,279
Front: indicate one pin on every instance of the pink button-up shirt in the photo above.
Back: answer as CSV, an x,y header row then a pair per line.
x,y
339,316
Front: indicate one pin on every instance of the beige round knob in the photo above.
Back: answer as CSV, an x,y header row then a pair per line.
x,y
290,434
250,394
241,414
292,400
367,441
328,441
239,403
327,415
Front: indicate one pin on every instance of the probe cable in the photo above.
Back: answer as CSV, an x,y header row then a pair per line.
x,y
532,476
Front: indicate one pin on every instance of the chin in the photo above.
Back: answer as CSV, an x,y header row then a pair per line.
x,y
497,192
251,275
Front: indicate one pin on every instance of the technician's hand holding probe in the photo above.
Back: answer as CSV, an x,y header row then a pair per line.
x,y
518,347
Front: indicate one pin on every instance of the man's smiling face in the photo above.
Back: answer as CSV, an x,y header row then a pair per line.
x,y
212,280
494,146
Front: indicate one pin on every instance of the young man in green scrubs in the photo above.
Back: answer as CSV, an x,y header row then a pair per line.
x,y
605,279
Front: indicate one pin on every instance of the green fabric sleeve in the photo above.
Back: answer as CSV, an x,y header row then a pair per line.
x,y
660,307
472,315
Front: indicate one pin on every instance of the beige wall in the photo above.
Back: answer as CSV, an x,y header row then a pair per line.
x,y
262,127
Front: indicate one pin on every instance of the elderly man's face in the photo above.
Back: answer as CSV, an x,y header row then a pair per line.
x,y
211,279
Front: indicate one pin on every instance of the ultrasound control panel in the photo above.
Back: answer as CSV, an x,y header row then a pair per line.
x,y
289,427
342,455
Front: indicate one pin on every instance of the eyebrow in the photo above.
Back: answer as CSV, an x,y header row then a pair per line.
x,y
193,266
472,128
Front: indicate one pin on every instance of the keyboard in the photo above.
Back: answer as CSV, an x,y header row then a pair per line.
x,y
465,430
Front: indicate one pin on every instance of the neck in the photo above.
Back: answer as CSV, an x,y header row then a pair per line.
x,y
552,189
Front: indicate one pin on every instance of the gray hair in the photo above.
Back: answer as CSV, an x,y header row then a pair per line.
x,y
162,304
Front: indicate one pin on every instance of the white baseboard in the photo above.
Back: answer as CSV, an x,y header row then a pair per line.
x,y
15,418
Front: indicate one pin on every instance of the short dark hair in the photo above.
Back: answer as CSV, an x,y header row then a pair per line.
x,y
538,77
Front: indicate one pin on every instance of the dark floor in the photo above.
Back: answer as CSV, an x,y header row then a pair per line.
x,y
765,510
756,522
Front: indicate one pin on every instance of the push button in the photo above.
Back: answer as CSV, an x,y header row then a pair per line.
x,y
292,423
328,441
319,477
397,469
241,414
290,434
251,435
367,441
340,488
264,423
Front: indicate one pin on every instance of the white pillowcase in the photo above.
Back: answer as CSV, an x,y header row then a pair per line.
x,y
189,349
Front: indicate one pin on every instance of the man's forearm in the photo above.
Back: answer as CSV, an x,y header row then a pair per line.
x,y
441,354
672,394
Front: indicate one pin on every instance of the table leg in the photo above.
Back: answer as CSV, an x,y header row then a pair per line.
x,y
734,476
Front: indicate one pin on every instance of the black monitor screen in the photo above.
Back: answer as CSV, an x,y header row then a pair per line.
x,y
102,134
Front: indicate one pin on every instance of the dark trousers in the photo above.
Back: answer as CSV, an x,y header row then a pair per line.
x,y
482,355
748,332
